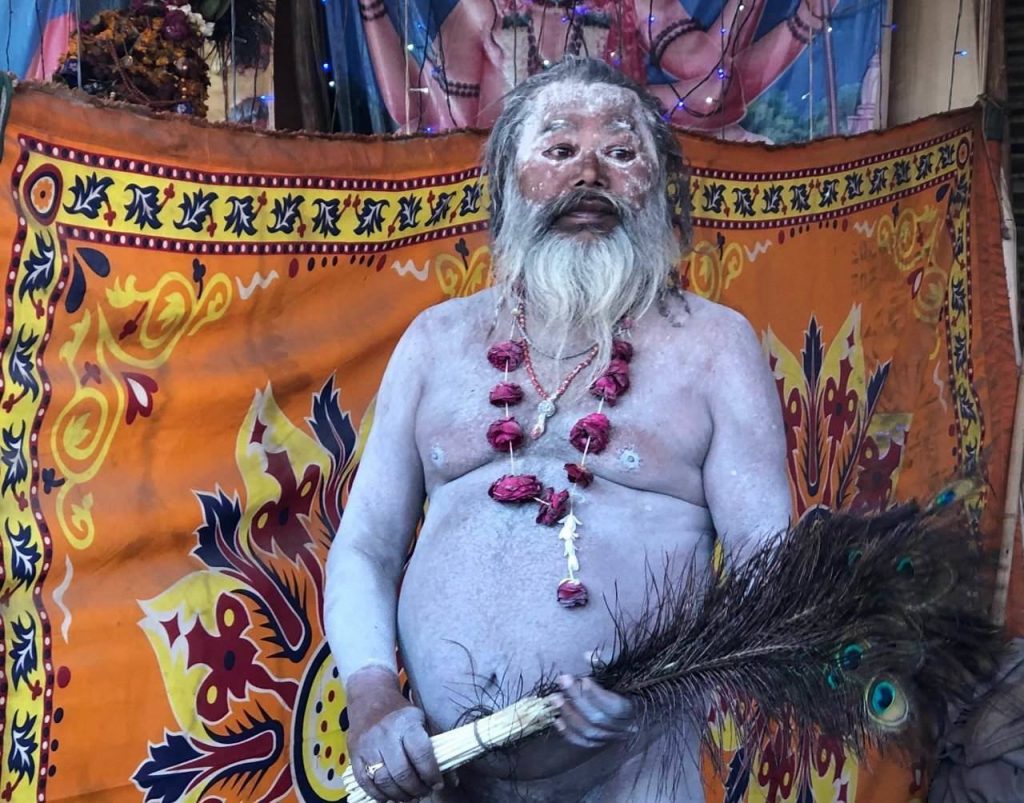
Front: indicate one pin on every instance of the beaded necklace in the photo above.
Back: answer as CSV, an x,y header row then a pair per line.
x,y
589,435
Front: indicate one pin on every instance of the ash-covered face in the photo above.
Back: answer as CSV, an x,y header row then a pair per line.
x,y
581,138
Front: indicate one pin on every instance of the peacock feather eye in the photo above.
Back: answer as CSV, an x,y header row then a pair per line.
x,y
944,497
905,566
850,655
886,703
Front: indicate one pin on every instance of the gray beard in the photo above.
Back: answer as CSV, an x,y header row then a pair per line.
x,y
576,292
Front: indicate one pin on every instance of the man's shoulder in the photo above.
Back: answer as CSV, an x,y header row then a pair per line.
x,y
723,331
453,321
458,310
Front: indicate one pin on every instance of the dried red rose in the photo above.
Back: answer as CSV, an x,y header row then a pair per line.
x,y
505,432
595,428
506,356
613,382
553,507
572,594
176,26
604,387
622,350
578,475
506,393
515,488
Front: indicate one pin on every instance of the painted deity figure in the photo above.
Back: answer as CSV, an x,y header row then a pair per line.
x,y
481,50
636,423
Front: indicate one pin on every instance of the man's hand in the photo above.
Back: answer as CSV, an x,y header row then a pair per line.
x,y
590,716
390,750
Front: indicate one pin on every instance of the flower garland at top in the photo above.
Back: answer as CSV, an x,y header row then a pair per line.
x,y
589,435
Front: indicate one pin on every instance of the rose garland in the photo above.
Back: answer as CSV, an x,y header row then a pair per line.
x,y
589,435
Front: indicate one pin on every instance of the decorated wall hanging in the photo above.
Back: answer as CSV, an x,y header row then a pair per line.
x,y
195,321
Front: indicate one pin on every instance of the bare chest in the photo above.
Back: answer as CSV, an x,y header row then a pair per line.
x,y
660,428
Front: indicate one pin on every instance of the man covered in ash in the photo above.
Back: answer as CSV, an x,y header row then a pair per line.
x,y
578,429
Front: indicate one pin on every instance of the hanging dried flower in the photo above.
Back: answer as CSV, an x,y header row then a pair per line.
x,y
515,488
507,356
595,429
506,393
572,594
553,507
505,432
578,475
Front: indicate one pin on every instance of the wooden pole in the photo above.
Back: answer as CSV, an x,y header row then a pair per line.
x,y
1011,509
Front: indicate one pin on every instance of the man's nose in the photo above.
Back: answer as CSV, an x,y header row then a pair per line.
x,y
591,172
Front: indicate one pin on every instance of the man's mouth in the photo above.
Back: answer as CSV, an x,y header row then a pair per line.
x,y
594,205
588,213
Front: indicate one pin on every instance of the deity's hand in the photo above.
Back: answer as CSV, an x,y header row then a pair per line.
x,y
590,716
388,741
819,8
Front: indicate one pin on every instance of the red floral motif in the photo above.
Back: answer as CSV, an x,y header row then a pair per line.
x,y
834,441
233,662
841,403
283,522
777,768
139,399
263,660
877,471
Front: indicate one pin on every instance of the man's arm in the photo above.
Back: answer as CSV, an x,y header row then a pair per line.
x,y
364,567
745,479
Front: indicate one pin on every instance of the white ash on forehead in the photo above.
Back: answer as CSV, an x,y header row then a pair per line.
x,y
590,100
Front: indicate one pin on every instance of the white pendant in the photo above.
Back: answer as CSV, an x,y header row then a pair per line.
x,y
545,409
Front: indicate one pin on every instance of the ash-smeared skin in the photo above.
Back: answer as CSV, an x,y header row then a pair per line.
x,y
478,597
574,129
483,575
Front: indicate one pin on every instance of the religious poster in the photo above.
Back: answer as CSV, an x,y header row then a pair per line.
x,y
34,35
767,70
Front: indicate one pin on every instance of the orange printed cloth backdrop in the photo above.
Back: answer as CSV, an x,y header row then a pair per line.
x,y
195,321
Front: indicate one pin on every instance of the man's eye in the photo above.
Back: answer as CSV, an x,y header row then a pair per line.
x,y
560,152
622,154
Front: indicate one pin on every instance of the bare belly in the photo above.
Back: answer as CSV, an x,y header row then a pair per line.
x,y
478,619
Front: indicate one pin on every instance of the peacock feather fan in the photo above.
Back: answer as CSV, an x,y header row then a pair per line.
x,y
864,629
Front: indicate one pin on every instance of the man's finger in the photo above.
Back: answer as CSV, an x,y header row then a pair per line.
x,y
420,753
572,723
397,778
368,781
597,706
608,703
575,737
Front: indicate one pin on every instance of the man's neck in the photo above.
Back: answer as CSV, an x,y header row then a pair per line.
x,y
549,340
